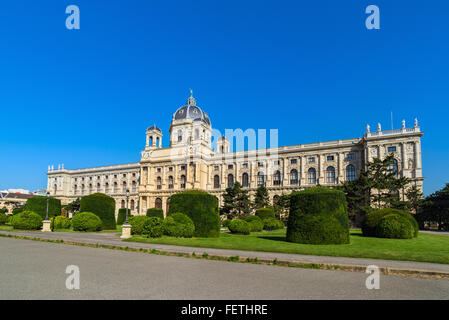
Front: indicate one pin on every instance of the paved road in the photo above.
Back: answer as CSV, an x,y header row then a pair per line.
x,y
36,270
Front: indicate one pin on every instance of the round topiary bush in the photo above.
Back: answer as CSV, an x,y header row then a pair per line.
x,y
121,216
202,208
103,206
179,225
255,223
26,220
271,224
265,213
86,221
225,223
329,207
395,226
373,218
38,205
3,218
137,224
61,222
153,228
239,226
155,212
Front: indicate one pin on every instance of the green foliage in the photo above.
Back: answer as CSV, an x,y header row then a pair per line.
x,y
61,222
236,202
3,210
395,226
103,206
3,218
73,206
202,208
373,218
282,205
265,213
38,205
226,223
137,224
255,223
435,209
179,225
121,217
261,198
86,221
272,224
153,227
322,203
239,226
18,210
155,212
26,220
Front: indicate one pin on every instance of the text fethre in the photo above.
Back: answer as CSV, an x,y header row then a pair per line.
x,y
240,309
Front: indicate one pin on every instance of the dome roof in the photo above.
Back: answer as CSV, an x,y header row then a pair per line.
x,y
154,128
191,111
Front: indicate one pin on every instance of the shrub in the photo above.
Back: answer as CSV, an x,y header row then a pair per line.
x,y
202,208
314,206
272,224
153,227
103,206
3,218
137,224
38,205
86,221
27,220
373,218
3,210
239,226
155,212
395,226
265,213
255,223
179,225
61,222
17,210
121,217
225,223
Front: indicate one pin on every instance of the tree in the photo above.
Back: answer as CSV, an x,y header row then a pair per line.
x,y
73,206
261,199
236,202
435,209
415,199
282,206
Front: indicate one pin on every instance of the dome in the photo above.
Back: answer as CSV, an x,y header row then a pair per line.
x,y
191,111
154,128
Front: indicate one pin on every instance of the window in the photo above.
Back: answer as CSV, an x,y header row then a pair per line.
x,y
170,182
159,169
277,178
311,176
183,182
170,169
230,180
260,179
90,188
159,183
216,182
245,180
123,204
158,203
115,187
330,158
98,187
133,175
294,176
132,204
134,186
245,165
311,159
330,175
391,149
197,134
350,156
179,135
75,189
216,167
260,164
350,173
106,190
230,166
183,167
124,176
276,162
124,187
293,161
393,167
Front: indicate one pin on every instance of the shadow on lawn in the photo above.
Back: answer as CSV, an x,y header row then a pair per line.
x,y
274,238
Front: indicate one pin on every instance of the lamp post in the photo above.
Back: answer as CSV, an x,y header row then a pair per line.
x,y
127,198
46,224
48,202
126,227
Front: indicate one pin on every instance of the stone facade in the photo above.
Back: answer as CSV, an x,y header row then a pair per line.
x,y
191,163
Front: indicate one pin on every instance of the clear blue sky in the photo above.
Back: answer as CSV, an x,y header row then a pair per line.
x,y
308,68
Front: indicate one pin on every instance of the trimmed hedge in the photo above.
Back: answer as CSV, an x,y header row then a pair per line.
x,y
103,206
239,226
255,223
153,227
86,221
314,206
26,220
225,223
18,210
265,213
155,212
202,208
137,224
121,217
3,218
3,210
272,224
179,225
395,226
61,222
38,205
373,219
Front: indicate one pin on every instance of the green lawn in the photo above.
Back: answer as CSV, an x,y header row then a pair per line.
x,y
424,248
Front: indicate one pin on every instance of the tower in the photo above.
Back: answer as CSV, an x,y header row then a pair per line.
x,y
154,138
223,145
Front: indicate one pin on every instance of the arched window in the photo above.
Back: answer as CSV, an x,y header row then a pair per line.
x,y
330,175
82,189
134,186
167,205
159,182
132,204
230,180
98,187
260,179
197,134
311,176
106,190
157,142
75,188
216,182
179,135
350,173
151,140
277,178
294,176
158,203
91,188
183,182
124,187
170,182
115,187
245,180
393,167
123,204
